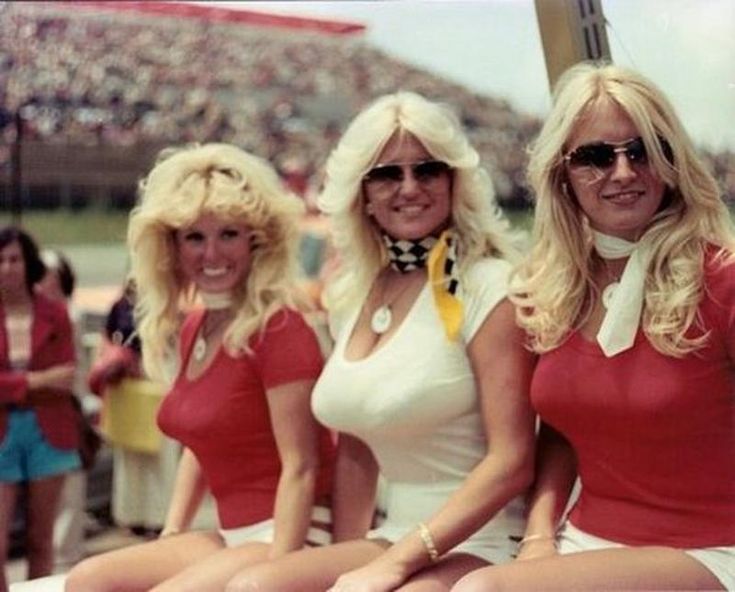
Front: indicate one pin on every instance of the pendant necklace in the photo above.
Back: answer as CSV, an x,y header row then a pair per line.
x,y
382,318
200,348
212,301
200,344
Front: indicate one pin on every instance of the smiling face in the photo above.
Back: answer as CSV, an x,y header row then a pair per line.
x,y
417,203
213,253
620,199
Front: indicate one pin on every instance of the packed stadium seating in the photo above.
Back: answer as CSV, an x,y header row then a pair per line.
x,y
98,91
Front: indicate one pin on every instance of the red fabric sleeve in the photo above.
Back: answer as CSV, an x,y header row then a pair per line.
x,y
287,351
13,386
720,302
112,361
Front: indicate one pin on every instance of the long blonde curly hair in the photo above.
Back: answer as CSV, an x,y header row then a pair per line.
x,y
553,288
219,179
481,229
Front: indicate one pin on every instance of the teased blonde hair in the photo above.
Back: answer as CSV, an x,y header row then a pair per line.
x,y
227,182
481,231
553,288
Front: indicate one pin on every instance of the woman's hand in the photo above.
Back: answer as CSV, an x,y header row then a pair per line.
x,y
115,372
537,549
376,576
55,377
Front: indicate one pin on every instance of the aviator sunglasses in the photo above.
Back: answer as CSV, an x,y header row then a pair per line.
x,y
602,155
424,171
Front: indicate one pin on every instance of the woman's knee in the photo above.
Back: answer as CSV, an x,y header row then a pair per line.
x,y
481,580
175,585
89,575
247,581
424,585
258,578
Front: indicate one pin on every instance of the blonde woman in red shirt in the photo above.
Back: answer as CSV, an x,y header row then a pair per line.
x,y
215,225
629,298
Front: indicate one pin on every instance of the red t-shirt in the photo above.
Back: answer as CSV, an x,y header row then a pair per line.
x,y
222,416
654,435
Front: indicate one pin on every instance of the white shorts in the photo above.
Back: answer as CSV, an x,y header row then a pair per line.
x,y
718,560
47,584
319,533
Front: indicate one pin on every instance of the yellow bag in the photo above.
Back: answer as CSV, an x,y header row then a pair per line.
x,y
129,414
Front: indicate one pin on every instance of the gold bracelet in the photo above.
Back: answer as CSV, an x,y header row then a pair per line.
x,y
536,537
428,541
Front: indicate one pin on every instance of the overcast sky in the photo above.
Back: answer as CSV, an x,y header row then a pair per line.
x,y
492,46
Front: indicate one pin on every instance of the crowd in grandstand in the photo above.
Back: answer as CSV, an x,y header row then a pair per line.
x,y
91,76
123,78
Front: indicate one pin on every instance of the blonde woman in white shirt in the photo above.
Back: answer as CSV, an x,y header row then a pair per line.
x,y
428,380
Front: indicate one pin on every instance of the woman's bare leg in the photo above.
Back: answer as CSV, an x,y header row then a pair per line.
x,y
310,570
8,499
212,573
43,502
442,576
642,568
141,567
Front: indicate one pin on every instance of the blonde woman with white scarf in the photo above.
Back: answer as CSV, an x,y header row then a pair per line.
x,y
628,295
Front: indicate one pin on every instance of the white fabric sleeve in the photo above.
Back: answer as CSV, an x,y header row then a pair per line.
x,y
483,286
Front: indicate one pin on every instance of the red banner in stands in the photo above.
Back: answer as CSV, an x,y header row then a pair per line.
x,y
220,14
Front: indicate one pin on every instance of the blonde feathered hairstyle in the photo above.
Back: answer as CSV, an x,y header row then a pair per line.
x,y
553,288
222,180
481,230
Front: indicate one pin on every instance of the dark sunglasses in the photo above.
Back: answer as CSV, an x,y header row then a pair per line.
x,y
602,155
424,171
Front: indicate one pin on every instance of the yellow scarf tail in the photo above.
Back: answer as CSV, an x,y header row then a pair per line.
x,y
444,278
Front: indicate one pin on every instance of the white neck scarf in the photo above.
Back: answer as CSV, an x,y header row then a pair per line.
x,y
216,300
623,317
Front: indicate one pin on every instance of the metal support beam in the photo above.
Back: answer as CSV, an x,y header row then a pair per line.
x,y
571,31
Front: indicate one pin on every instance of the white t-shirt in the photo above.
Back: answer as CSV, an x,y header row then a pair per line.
x,y
414,402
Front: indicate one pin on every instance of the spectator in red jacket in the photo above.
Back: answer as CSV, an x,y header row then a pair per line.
x,y
38,425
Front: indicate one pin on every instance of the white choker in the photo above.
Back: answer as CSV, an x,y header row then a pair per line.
x,y
612,247
216,300
624,299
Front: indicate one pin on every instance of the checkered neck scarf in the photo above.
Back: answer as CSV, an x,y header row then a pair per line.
x,y
408,255
439,255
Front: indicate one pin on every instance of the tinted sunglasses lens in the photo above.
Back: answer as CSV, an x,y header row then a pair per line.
x,y
596,155
382,174
636,151
430,170
602,155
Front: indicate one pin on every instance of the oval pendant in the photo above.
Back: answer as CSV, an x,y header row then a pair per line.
x,y
381,320
608,293
200,349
